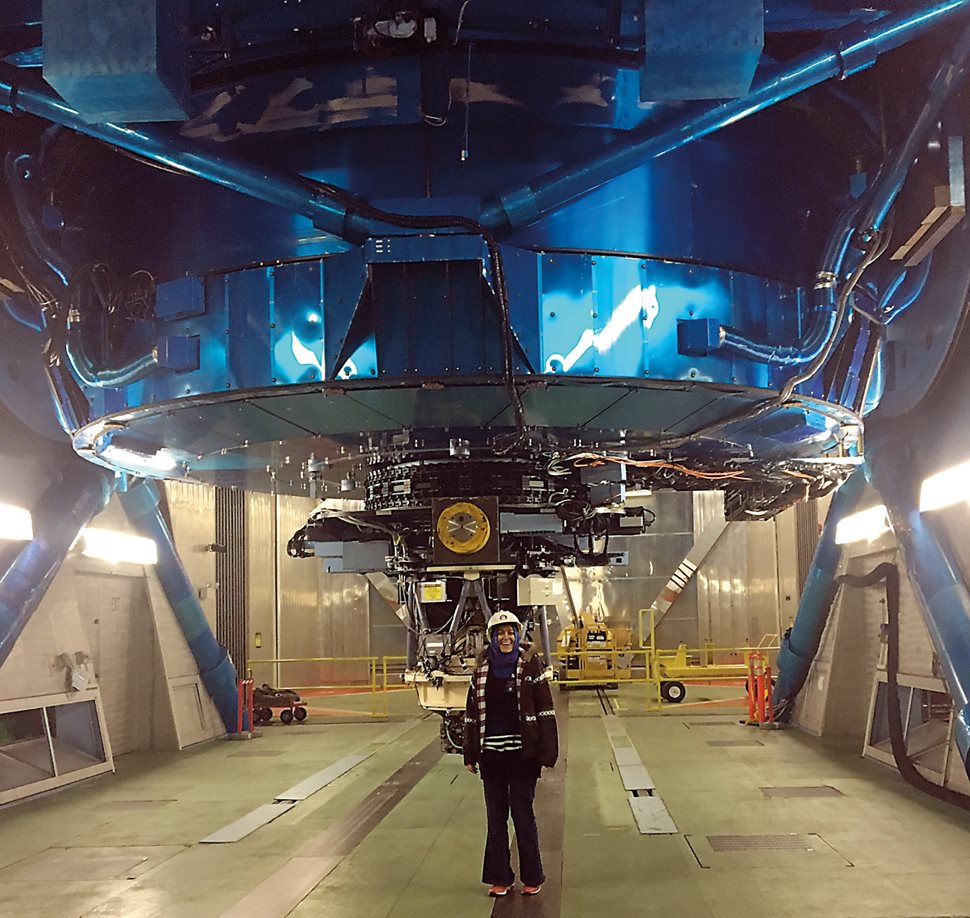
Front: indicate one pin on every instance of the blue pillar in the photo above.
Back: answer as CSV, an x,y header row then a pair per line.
x,y
937,581
799,646
66,508
217,671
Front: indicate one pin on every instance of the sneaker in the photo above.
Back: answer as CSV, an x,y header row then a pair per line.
x,y
530,890
498,890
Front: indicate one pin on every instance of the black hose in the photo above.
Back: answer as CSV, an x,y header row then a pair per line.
x,y
890,574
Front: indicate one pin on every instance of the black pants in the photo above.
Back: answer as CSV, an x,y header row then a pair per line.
x,y
502,795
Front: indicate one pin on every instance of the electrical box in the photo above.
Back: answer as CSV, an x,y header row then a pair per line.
x,y
352,557
432,591
538,591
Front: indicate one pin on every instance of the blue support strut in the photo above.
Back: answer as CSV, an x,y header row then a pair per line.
x,y
168,149
937,582
799,646
218,674
850,50
863,220
64,510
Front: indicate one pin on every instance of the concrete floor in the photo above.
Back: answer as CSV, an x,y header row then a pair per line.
x,y
370,845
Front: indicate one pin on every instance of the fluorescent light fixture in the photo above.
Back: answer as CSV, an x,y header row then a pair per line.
x,y
159,461
946,488
865,525
116,547
15,524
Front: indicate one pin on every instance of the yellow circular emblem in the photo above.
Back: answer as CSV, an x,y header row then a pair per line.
x,y
463,528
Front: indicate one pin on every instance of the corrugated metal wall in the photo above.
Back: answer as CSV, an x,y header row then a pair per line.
x,y
301,631
737,586
231,596
344,615
734,597
807,534
285,617
652,559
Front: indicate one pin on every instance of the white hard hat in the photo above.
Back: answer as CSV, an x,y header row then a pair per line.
x,y
502,618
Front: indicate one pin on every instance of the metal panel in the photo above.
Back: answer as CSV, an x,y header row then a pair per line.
x,y
854,652
321,779
651,816
636,777
737,592
122,636
121,61
651,559
261,582
300,627
344,613
246,825
192,512
786,555
808,791
701,50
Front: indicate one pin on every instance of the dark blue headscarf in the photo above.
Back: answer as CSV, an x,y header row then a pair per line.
x,y
502,664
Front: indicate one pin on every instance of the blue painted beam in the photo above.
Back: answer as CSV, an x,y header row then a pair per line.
x,y
935,574
799,646
217,671
845,53
168,149
64,510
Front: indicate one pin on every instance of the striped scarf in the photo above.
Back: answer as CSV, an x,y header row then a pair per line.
x,y
481,677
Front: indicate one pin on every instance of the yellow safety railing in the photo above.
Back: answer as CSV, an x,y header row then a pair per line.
x,y
625,666
680,663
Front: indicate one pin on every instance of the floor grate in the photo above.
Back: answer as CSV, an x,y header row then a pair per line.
x,y
722,843
133,804
821,791
734,742
710,723
255,753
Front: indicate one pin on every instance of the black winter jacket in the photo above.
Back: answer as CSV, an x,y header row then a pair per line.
x,y
537,716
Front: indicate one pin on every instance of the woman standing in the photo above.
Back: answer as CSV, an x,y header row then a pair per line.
x,y
510,733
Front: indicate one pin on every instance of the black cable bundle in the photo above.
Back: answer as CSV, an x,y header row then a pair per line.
x,y
890,574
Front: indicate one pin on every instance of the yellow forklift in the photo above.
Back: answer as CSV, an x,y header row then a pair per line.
x,y
589,655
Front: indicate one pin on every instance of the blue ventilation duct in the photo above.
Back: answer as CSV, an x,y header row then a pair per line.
x,y
800,644
64,510
936,578
217,671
